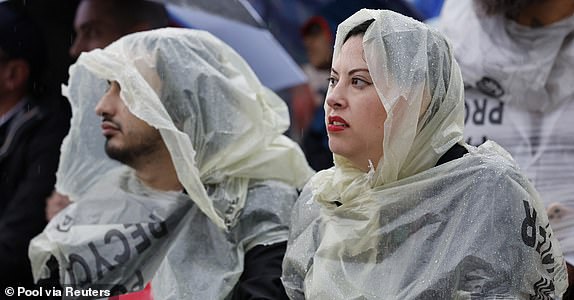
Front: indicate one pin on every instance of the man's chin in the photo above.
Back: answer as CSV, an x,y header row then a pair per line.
x,y
118,154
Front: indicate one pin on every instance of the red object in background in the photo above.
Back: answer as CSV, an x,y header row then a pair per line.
x,y
144,294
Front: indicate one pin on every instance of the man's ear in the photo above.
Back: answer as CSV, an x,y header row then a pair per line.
x,y
15,74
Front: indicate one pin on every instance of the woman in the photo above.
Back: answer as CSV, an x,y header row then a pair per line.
x,y
409,211
202,194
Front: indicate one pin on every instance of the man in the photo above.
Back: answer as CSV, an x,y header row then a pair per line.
x,y
198,184
98,23
517,62
30,137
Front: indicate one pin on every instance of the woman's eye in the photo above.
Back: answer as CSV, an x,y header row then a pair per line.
x,y
359,82
332,81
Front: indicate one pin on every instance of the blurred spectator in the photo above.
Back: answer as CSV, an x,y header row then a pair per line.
x,y
517,61
97,24
100,22
30,137
318,39
318,34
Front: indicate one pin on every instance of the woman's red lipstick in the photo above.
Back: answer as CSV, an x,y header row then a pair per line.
x,y
336,124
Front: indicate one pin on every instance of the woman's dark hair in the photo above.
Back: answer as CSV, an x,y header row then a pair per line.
x,y
359,29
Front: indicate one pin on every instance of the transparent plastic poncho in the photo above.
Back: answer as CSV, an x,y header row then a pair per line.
x,y
407,229
223,130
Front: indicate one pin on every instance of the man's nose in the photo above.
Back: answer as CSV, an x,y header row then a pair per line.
x,y
103,107
78,46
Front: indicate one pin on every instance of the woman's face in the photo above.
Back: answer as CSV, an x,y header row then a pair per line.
x,y
354,114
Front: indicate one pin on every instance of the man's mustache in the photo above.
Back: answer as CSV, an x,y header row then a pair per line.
x,y
109,120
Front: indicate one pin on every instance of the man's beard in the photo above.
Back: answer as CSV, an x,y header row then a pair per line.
x,y
503,7
135,154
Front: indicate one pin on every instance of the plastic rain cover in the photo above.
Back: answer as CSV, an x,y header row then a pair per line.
x,y
470,228
223,130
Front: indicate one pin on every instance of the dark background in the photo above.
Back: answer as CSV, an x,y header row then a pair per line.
x,y
55,19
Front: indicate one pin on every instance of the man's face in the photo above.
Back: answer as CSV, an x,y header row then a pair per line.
x,y
14,74
130,140
95,26
3,74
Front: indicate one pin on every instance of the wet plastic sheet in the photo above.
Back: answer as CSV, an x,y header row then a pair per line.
x,y
435,235
145,235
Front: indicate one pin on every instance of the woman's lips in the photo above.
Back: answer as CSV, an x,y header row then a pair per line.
x,y
336,123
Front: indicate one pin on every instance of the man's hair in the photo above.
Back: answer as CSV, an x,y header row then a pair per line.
x,y
502,7
131,12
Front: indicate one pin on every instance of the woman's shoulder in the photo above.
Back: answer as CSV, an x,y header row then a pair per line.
x,y
490,159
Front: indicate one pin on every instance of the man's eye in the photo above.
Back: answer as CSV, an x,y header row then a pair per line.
x,y
109,85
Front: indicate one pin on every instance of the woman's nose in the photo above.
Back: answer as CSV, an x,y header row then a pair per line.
x,y
335,99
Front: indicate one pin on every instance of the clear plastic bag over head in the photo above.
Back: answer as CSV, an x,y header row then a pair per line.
x,y
408,229
224,132
219,123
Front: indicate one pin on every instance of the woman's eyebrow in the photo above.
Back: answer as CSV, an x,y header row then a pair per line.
x,y
351,71
358,70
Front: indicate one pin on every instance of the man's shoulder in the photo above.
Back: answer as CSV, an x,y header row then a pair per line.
x,y
38,124
270,196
